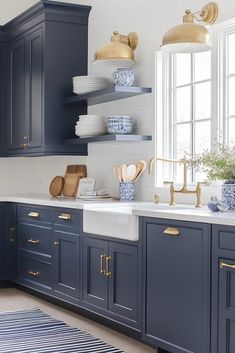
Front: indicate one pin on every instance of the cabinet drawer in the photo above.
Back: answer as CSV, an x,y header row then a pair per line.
x,y
33,237
36,271
35,213
68,217
226,237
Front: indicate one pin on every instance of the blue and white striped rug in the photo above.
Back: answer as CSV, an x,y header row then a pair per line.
x,y
32,331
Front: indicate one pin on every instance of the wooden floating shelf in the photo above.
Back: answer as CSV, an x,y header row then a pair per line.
x,y
108,94
108,138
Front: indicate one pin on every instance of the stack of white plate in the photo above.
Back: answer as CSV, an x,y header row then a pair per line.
x,y
86,84
90,125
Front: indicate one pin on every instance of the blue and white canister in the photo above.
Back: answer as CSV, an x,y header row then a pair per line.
x,y
127,191
124,76
228,193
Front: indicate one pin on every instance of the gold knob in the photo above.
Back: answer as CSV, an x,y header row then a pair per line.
x,y
32,241
102,270
224,265
34,274
56,242
65,216
171,231
33,214
107,272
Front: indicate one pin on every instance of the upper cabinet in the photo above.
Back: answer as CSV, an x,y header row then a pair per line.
x,y
43,49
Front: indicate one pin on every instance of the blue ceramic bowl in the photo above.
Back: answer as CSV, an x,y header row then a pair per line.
x,y
120,124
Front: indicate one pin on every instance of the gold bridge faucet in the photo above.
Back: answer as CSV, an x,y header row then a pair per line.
x,y
184,189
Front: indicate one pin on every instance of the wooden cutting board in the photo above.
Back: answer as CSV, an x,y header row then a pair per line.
x,y
71,179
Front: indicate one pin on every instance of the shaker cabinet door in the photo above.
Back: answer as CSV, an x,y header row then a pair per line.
x,y
123,284
177,277
34,87
95,283
67,267
16,95
226,319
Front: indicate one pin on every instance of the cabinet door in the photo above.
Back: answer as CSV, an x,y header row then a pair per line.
x,y
10,209
95,283
67,263
177,277
226,342
34,87
123,285
16,94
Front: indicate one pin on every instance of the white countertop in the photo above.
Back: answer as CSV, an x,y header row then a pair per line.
x,y
148,209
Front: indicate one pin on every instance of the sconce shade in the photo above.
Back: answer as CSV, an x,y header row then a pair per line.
x,y
120,49
115,51
187,37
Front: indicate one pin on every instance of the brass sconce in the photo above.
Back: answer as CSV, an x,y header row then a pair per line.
x,y
189,36
120,49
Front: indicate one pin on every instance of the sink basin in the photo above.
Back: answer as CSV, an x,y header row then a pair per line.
x,y
112,220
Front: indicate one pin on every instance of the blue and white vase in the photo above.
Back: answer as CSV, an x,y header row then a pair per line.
x,y
127,191
124,77
228,193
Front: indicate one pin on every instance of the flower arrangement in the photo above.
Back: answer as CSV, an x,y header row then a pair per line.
x,y
218,165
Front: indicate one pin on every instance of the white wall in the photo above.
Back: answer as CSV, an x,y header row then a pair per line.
x,y
150,19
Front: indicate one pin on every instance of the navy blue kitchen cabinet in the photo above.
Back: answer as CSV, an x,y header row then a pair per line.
x,y
111,278
3,258
223,289
66,241
44,48
95,282
176,285
35,247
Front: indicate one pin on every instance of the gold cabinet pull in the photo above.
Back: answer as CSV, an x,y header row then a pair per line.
x,y
102,270
171,231
34,274
224,265
65,216
33,241
56,242
107,260
33,214
12,234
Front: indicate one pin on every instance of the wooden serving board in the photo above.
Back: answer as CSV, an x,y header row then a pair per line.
x,y
71,179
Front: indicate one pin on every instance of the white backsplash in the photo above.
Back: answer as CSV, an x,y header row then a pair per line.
x,y
150,20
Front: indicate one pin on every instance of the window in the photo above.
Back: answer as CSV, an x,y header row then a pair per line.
x,y
196,107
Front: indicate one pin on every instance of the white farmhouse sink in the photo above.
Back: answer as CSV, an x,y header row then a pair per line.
x,y
112,220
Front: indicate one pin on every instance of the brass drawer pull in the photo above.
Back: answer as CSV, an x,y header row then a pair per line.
x,y
65,216
33,214
107,272
56,242
171,231
224,265
32,241
34,274
102,270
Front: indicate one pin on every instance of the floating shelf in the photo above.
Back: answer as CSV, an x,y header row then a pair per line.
x,y
108,138
108,94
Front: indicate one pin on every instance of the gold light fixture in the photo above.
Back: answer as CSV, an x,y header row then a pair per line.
x,y
121,49
189,36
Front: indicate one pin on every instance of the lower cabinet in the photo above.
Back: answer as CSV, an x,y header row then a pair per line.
x,y
223,290
111,280
66,263
177,285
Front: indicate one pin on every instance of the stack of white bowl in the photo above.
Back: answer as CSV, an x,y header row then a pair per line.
x,y
90,125
86,84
